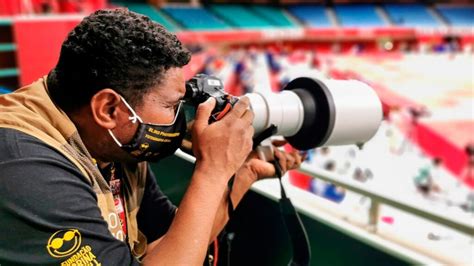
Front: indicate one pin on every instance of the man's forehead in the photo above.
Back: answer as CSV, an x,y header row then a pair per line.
x,y
172,86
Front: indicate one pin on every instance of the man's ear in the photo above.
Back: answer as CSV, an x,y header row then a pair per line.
x,y
105,108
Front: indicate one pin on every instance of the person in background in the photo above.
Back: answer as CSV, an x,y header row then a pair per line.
x,y
332,191
426,179
467,175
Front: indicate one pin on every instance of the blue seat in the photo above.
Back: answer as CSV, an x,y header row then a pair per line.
x,y
239,16
410,15
274,15
358,15
152,13
458,15
311,15
195,18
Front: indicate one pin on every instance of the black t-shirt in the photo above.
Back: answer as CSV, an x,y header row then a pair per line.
x,y
49,213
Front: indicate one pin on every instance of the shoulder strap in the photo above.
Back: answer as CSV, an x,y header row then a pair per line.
x,y
295,228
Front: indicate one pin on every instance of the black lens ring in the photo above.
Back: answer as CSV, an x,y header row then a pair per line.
x,y
319,113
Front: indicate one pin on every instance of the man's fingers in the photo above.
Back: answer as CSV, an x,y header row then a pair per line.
x,y
248,116
281,159
290,161
203,113
298,158
239,109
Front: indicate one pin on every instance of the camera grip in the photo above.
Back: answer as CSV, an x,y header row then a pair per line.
x,y
223,105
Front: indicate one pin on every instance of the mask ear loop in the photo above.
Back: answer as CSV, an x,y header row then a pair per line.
x,y
114,138
133,119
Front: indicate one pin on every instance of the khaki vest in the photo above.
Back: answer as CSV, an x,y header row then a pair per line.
x,y
31,111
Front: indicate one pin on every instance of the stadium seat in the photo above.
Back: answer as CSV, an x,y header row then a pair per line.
x,y
240,16
458,15
195,18
358,15
410,15
311,15
275,15
152,13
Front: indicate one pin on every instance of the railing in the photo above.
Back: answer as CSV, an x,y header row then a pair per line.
x,y
377,198
367,233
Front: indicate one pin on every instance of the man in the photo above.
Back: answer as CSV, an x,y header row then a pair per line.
x,y
426,181
74,185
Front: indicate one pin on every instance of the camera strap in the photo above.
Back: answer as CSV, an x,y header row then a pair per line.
x,y
295,228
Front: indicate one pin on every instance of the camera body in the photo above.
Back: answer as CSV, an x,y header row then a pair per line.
x,y
201,87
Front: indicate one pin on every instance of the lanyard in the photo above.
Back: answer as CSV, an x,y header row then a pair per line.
x,y
295,228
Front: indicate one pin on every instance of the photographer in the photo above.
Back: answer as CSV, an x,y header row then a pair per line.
x,y
74,185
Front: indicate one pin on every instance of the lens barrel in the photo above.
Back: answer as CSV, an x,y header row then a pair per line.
x,y
312,113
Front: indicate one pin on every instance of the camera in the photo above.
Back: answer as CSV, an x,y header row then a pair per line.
x,y
308,112
201,87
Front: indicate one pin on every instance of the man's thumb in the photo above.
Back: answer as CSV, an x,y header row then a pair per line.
x,y
203,113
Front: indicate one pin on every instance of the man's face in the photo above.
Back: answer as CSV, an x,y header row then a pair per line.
x,y
160,104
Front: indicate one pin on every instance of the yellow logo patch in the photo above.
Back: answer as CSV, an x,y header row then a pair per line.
x,y
144,146
64,243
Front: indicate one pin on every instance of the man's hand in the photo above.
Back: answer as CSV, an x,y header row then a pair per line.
x,y
257,169
223,146
251,171
220,149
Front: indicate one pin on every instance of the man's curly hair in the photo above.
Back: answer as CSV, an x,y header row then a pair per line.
x,y
116,49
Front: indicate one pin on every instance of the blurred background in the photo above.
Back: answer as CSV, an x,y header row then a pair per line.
x,y
405,197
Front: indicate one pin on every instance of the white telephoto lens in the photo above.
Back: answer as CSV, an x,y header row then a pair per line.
x,y
311,113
